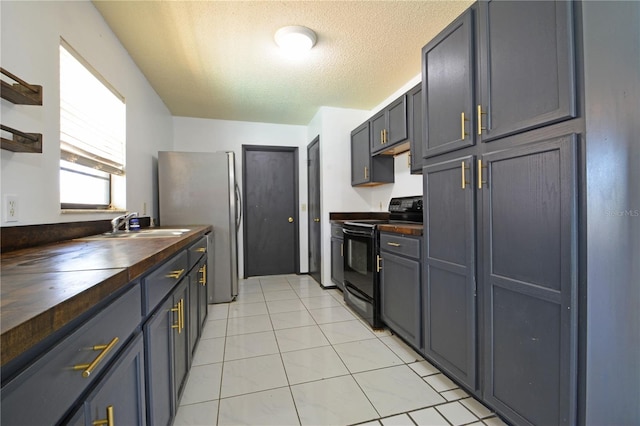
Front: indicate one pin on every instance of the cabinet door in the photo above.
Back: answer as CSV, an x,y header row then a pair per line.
x,y
192,312
181,350
529,286
377,126
158,335
337,271
396,126
360,155
400,296
120,395
527,74
414,104
202,295
450,289
448,83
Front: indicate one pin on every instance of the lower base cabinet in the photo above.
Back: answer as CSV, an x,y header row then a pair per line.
x,y
119,398
400,286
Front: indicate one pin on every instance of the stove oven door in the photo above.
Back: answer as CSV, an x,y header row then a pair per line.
x,y
360,274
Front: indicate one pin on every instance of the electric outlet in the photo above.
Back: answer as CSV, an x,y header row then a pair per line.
x,y
11,208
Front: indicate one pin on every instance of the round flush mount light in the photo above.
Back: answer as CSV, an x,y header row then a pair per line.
x,y
295,40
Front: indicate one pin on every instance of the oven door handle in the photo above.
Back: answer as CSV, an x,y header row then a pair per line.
x,y
356,233
355,292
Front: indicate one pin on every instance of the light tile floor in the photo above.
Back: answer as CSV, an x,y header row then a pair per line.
x,y
288,352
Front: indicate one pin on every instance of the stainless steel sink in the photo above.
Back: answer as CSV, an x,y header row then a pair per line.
x,y
144,233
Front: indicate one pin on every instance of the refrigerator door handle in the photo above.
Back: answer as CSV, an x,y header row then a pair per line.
x,y
239,211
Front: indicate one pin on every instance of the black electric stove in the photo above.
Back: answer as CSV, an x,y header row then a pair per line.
x,y
362,257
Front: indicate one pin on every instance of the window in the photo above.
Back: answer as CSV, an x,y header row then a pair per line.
x,y
92,137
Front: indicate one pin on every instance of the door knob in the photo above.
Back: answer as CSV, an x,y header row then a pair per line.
x,y
290,219
316,219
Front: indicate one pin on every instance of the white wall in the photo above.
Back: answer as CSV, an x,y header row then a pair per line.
x,y
206,135
30,38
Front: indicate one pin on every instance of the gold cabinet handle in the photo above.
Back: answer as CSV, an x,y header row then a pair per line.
x,y
378,267
462,126
104,350
382,137
480,167
108,421
182,313
480,114
290,219
341,249
366,172
177,310
175,274
201,250
464,177
393,244
203,271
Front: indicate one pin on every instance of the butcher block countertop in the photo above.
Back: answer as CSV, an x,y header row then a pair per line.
x,y
45,288
413,229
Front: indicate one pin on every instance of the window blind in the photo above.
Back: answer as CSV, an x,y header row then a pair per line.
x,y
92,117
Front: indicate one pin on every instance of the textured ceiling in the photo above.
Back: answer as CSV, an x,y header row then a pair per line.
x,y
217,59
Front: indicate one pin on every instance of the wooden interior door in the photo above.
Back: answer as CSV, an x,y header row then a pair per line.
x,y
315,210
270,187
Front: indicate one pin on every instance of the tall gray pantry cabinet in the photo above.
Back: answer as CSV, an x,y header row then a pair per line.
x,y
501,197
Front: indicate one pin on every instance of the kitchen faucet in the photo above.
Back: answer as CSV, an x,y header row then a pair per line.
x,y
117,221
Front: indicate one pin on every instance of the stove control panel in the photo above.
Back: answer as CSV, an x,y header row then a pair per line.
x,y
405,204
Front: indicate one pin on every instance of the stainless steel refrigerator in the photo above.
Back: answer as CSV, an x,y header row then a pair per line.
x,y
200,188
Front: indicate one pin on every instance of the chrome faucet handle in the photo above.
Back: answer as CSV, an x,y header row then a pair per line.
x,y
116,222
127,217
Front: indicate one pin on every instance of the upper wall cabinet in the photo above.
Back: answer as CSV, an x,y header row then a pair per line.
x,y
365,169
389,128
414,124
526,66
521,55
447,83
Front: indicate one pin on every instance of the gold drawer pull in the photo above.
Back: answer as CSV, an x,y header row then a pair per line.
x,y
394,244
201,249
178,310
203,270
378,267
175,274
462,120
88,368
108,421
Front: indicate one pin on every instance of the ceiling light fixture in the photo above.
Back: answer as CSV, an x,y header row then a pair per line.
x,y
295,40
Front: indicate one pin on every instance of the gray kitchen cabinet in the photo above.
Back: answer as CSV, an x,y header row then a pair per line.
x,y
193,313
448,88
337,255
202,295
181,330
158,335
367,170
526,66
389,127
414,125
529,288
449,292
119,397
74,364
400,281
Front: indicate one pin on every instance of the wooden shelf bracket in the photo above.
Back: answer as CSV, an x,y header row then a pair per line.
x,y
21,142
21,93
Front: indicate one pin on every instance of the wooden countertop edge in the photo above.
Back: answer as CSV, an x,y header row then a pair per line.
x,y
26,335
404,229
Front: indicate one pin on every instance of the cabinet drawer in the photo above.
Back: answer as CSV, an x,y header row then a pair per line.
x,y
399,244
336,231
159,283
51,384
197,250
